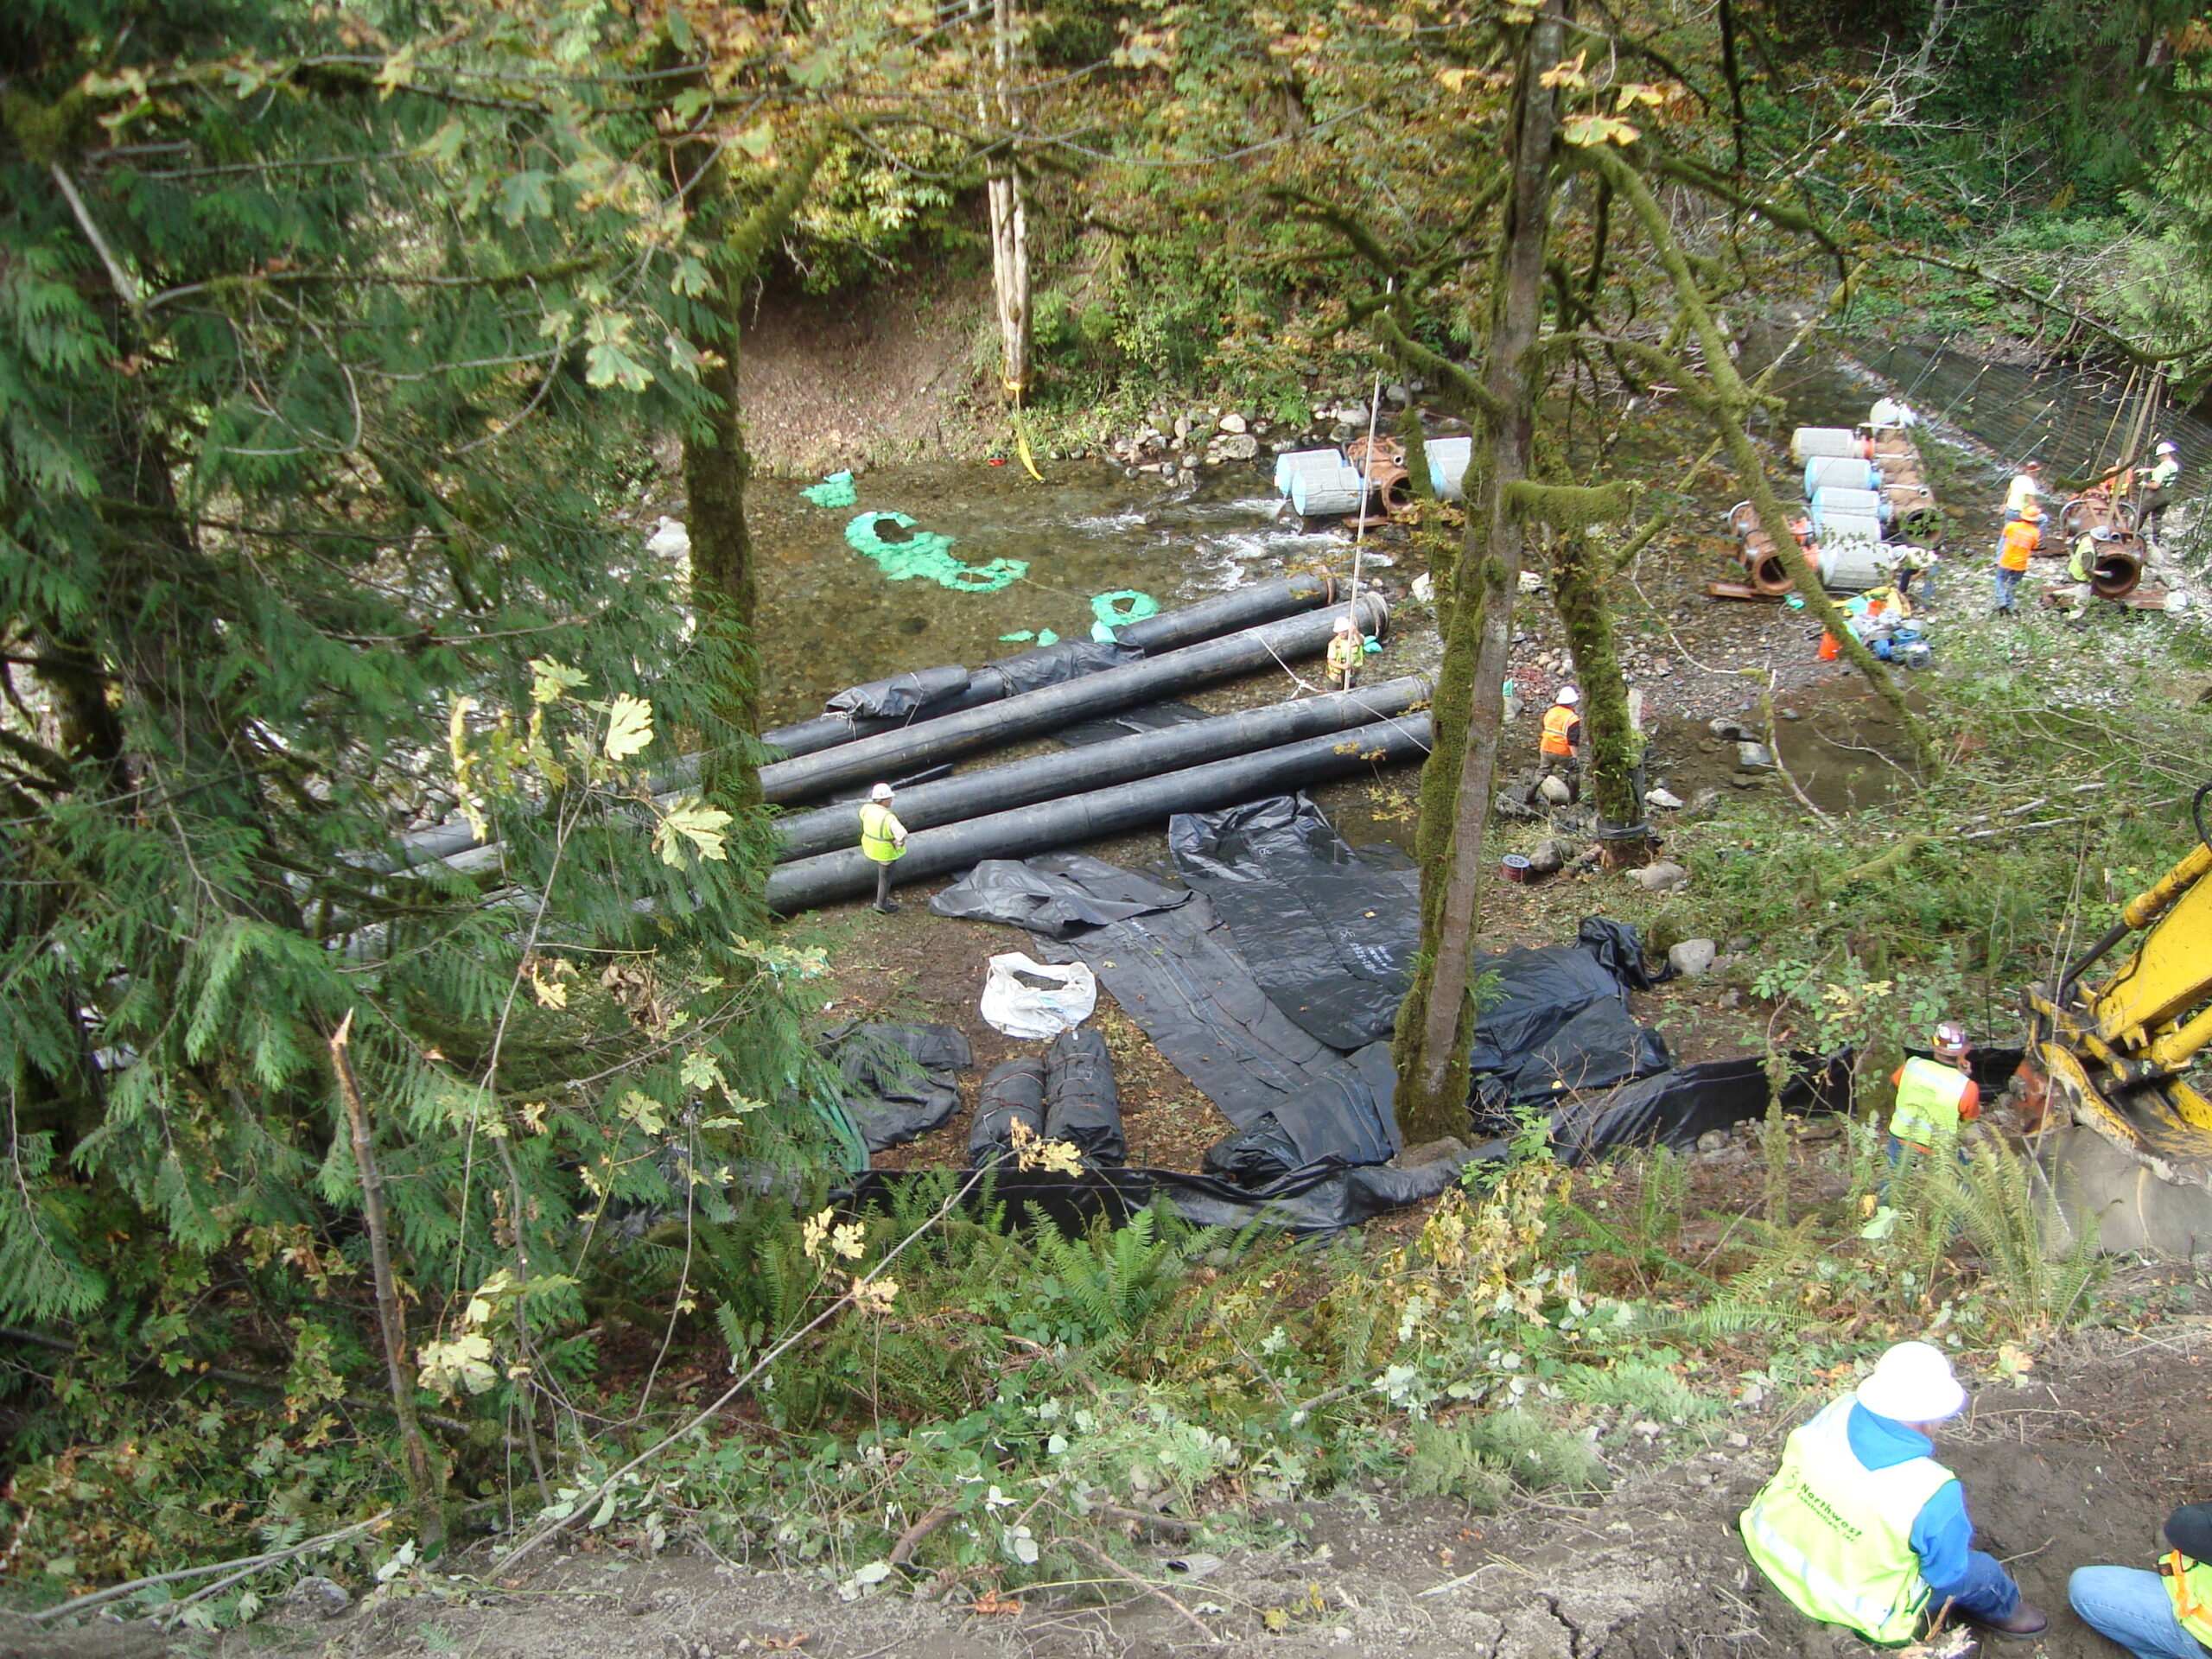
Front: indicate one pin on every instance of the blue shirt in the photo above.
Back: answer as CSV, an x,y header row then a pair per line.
x,y
1942,1535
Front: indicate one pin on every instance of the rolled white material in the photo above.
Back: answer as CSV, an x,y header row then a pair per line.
x,y
1840,529
1827,502
1317,493
1807,442
1854,566
1839,472
1287,466
1447,466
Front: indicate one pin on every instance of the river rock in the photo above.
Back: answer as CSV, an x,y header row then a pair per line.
x,y
1665,799
1182,428
1692,957
1555,790
1552,854
1728,730
1238,445
1233,421
1517,812
1753,757
1662,877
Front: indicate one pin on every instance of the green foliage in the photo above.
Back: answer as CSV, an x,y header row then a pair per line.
x,y
1480,1460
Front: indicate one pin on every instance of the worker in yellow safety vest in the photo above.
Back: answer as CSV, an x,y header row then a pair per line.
x,y
2025,490
2158,490
2023,536
1347,649
1935,1095
2161,1615
883,839
1562,729
1861,1527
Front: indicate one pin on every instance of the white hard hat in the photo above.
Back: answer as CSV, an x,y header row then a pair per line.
x,y
2166,448
1569,696
1912,1383
881,792
1951,1038
1345,625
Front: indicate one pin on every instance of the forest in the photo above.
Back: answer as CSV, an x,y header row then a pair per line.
x,y
374,1218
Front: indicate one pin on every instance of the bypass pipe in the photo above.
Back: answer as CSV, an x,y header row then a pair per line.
x,y
1046,709
2115,574
1077,818
1096,765
1240,607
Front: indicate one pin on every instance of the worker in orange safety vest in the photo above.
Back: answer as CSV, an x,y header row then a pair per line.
x,y
2023,536
1562,733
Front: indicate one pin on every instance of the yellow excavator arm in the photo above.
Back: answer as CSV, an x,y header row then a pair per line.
x,y
2117,1055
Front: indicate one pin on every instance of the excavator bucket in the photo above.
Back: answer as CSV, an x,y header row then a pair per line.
x,y
2119,1061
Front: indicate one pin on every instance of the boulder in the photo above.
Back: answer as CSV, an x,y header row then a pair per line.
x,y
1693,958
1240,446
1664,798
1726,729
1662,877
1517,812
1552,854
1555,790
1233,422
1753,757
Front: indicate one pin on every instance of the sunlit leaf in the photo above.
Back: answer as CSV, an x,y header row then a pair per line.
x,y
629,727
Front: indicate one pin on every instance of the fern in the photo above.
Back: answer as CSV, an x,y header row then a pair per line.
x,y
1111,1279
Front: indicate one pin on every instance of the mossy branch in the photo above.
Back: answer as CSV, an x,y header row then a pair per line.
x,y
1568,506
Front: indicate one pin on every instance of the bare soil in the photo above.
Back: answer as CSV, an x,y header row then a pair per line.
x,y
2079,1465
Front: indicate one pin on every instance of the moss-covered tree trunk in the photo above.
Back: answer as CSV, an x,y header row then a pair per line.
x,y
1436,1025
1612,745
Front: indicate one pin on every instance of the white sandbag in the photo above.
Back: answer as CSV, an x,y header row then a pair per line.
x,y
1036,1011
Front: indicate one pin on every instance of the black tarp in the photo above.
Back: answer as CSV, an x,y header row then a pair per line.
x,y
1556,1019
900,1081
1082,1106
1676,1107
900,696
1331,935
1344,1121
1044,665
1153,717
1012,1092
1318,1200
1018,894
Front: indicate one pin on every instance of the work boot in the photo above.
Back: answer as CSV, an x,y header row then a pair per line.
x,y
886,907
2025,1621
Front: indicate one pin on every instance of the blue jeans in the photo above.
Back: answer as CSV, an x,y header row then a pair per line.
x,y
2131,1607
2008,586
1987,1592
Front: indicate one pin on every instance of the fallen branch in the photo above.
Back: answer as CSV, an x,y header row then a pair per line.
x,y
1888,863
1144,1584
238,1569
911,1540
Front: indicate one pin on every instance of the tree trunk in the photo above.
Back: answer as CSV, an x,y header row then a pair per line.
x,y
1612,745
1436,1026
1009,224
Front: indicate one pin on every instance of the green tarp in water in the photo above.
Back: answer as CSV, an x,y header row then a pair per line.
x,y
927,554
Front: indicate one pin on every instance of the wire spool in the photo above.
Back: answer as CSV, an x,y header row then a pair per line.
x,y
1289,465
1807,442
2115,573
1319,492
1762,565
1448,459
1839,472
1860,503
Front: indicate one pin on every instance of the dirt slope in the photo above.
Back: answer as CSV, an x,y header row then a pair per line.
x,y
2078,1466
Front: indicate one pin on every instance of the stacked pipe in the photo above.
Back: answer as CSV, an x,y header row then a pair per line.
x,y
1239,609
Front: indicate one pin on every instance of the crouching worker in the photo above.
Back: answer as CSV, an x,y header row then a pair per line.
x,y
1861,1527
2161,1615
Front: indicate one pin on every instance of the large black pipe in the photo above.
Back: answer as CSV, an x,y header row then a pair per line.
x,y
1051,707
1074,819
1240,607
1096,765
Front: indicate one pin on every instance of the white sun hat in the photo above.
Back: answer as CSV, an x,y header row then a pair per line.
x,y
1912,1383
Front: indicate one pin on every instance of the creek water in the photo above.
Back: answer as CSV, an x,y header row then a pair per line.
x,y
832,619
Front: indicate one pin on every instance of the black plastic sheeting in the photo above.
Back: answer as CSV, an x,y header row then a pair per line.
x,y
1168,960
1082,1105
1331,933
1676,1107
1012,1092
900,696
1556,1019
1044,665
1308,1202
1342,1122
900,1081
1153,717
